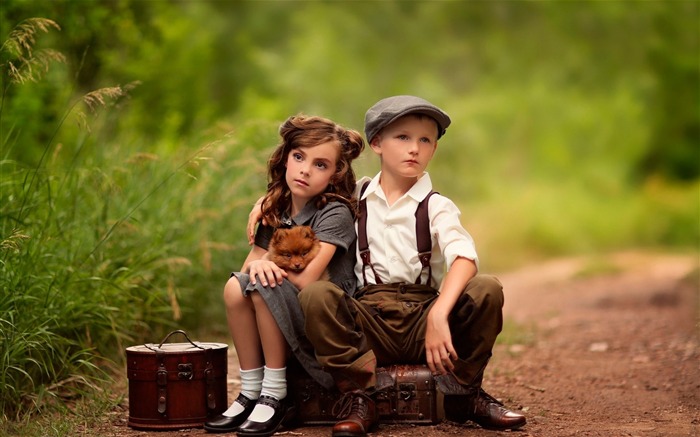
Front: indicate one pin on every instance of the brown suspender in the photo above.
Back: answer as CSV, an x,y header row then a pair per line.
x,y
423,239
424,242
363,245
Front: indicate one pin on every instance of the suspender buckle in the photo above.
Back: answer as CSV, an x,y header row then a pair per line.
x,y
364,255
424,258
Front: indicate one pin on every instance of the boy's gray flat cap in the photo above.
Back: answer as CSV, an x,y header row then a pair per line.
x,y
387,110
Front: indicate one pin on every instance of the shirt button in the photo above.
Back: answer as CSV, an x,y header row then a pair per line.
x,y
394,259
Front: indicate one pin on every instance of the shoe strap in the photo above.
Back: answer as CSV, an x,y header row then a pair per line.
x,y
269,401
244,401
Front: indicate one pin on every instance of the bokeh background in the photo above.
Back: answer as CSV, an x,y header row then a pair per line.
x,y
135,135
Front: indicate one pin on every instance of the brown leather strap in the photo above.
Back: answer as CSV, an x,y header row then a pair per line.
x,y
210,381
162,383
423,237
362,242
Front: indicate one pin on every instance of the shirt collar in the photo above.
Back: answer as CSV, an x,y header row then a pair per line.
x,y
417,192
303,217
421,188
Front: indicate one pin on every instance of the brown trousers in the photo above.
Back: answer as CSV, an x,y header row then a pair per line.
x,y
386,324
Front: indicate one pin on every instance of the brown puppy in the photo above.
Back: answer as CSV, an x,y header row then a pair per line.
x,y
293,248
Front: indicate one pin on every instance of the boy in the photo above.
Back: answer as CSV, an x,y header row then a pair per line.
x,y
398,315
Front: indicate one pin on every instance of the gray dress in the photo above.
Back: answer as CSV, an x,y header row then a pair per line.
x,y
333,224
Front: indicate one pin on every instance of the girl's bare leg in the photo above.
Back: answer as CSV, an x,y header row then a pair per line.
x,y
274,345
240,315
274,348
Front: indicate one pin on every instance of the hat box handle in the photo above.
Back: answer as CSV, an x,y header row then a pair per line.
x,y
179,331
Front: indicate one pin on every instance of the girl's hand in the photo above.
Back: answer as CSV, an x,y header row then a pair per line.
x,y
267,272
253,219
439,351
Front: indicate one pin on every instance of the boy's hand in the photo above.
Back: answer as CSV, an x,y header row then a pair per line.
x,y
267,272
439,351
253,219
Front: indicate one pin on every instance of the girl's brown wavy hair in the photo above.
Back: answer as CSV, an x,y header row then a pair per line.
x,y
309,131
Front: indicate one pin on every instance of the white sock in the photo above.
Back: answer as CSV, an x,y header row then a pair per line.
x,y
251,385
274,384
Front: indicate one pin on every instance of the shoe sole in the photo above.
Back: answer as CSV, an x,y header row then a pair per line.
x,y
502,428
220,430
259,434
489,427
288,416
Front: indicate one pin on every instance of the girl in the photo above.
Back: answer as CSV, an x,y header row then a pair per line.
x,y
310,182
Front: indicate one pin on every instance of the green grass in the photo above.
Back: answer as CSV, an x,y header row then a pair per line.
x,y
109,253
87,416
534,222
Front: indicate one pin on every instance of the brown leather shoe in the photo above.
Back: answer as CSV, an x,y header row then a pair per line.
x,y
357,413
483,409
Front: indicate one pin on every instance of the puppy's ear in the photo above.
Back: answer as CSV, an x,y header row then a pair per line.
x,y
277,236
307,232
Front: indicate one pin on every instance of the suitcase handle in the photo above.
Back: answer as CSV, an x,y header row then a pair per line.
x,y
178,331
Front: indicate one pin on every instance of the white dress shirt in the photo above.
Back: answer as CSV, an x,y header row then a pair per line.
x,y
391,235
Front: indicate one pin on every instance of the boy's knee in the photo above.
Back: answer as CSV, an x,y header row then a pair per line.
x,y
487,289
317,296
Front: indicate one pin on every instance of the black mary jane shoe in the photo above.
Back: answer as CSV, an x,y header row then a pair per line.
x,y
223,423
283,413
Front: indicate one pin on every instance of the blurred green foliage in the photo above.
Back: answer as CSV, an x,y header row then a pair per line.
x,y
128,167
563,80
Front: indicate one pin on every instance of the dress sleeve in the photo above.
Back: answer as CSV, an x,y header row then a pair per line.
x,y
263,236
334,224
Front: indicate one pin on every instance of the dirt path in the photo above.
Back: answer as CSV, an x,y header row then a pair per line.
x,y
604,348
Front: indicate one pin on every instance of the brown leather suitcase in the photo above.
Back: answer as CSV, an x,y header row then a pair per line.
x,y
405,394
176,385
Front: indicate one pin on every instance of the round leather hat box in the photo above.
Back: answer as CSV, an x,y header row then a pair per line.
x,y
176,385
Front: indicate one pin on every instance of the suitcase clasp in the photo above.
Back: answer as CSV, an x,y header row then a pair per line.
x,y
184,371
162,376
406,391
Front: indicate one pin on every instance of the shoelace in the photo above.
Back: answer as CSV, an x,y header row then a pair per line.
x,y
346,405
485,398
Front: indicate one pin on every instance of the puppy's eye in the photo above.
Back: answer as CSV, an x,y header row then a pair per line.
x,y
305,253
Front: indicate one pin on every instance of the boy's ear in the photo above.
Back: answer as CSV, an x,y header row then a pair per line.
x,y
375,144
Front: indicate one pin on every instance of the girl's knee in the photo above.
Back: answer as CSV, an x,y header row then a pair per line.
x,y
232,293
